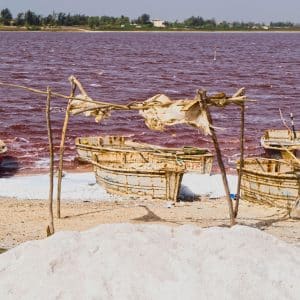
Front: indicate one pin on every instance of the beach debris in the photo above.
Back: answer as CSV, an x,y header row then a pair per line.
x,y
169,204
233,196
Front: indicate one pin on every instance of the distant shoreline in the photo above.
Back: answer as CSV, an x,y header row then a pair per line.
x,y
81,29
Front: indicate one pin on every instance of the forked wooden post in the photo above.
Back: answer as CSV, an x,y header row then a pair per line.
x,y
62,149
50,227
242,142
204,102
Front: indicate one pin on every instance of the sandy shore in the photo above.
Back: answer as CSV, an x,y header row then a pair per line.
x,y
23,220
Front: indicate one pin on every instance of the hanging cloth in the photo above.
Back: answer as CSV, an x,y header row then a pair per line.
x,y
161,111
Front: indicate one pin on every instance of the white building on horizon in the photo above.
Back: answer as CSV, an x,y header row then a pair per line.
x,y
158,23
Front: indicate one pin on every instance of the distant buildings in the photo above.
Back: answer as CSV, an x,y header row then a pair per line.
x,y
158,23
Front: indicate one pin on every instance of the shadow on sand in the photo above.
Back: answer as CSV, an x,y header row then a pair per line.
x,y
150,216
263,224
187,195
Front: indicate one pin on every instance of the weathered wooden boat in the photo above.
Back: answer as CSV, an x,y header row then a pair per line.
x,y
147,180
142,170
270,181
120,149
281,142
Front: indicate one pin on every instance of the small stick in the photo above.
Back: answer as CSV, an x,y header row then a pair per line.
x,y
293,125
62,150
50,227
284,121
242,141
240,92
73,80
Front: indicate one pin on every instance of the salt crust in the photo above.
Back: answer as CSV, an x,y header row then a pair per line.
x,y
82,186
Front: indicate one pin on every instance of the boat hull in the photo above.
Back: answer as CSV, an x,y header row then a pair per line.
x,y
281,143
270,182
140,181
138,170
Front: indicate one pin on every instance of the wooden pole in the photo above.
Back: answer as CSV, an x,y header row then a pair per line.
x,y
135,105
203,100
50,227
62,150
242,142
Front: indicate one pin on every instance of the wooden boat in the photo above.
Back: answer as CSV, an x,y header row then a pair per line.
x,y
270,181
120,149
147,180
281,142
142,170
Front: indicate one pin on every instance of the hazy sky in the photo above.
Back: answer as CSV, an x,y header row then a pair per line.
x,y
229,10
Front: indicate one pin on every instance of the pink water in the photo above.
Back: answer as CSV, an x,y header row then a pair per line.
x,y
122,67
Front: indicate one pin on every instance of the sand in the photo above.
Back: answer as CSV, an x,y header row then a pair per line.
x,y
85,204
23,220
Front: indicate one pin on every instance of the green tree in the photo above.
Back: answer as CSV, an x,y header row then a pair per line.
x,y
77,19
123,20
20,21
143,19
224,25
61,19
281,24
194,22
93,22
5,16
31,19
210,24
49,20
106,21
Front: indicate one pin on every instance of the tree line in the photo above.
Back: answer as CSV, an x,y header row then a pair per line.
x,y
30,19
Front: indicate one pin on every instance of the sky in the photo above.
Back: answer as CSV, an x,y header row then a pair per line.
x,y
169,10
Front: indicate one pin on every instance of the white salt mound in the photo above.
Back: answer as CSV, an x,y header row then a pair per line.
x,y
75,187
127,261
